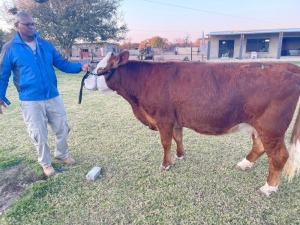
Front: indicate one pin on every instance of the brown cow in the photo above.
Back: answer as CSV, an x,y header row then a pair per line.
x,y
213,98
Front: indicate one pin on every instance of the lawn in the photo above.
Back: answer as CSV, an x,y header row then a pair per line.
x,y
205,188
297,63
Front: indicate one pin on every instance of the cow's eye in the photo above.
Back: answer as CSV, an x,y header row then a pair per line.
x,y
100,69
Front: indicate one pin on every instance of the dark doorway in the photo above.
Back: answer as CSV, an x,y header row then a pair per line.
x,y
226,48
290,46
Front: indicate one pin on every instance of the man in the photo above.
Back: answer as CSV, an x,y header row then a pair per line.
x,y
31,59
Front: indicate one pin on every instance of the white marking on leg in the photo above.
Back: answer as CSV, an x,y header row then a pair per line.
x,y
245,164
179,158
161,167
268,190
292,165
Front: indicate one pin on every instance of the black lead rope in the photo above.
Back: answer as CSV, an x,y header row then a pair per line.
x,y
81,86
110,72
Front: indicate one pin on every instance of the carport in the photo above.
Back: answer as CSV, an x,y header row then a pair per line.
x,y
254,44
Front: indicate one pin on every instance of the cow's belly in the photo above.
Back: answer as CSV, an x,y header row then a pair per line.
x,y
217,122
242,127
211,130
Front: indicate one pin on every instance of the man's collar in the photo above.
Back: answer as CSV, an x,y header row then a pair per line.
x,y
18,38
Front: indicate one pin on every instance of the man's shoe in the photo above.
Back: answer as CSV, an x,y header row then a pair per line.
x,y
68,161
49,171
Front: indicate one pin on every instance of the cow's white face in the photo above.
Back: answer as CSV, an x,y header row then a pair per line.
x,y
102,63
100,81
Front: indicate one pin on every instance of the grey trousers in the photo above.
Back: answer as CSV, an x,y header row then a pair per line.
x,y
37,114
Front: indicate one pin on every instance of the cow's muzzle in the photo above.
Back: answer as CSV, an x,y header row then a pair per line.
x,y
110,73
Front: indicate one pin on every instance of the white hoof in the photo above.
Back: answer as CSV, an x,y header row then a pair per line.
x,y
245,164
161,167
179,158
268,190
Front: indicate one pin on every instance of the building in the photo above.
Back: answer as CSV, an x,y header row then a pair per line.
x,y
93,50
254,44
187,50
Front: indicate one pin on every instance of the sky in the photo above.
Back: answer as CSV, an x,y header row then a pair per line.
x,y
179,19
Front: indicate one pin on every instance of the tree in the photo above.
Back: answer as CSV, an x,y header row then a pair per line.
x,y
199,41
64,22
155,42
1,39
179,42
5,36
129,45
158,42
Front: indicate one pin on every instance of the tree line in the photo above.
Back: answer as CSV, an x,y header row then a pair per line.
x,y
161,43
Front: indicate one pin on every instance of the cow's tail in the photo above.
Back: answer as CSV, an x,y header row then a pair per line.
x,y
292,166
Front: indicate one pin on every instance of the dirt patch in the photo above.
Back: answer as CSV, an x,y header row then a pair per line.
x,y
13,181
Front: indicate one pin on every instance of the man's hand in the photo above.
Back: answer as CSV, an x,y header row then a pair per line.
x,y
86,67
2,104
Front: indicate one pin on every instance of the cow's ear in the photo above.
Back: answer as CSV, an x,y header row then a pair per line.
x,y
123,57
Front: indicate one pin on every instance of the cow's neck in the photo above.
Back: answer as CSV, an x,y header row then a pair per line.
x,y
132,78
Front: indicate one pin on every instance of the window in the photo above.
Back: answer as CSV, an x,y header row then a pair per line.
x,y
258,45
226,48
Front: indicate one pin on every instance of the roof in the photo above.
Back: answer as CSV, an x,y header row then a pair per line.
x,y
268,31
96,43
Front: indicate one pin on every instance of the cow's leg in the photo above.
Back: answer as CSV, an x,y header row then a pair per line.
x,y
177,136
166,140
277,157
255,153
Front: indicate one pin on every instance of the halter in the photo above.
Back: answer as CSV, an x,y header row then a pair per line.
x,y
110,73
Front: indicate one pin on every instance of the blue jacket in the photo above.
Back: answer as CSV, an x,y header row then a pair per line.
x,y
33,75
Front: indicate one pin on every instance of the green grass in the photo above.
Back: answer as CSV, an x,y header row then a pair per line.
x,y
33,201
205,188
6,162
297,63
